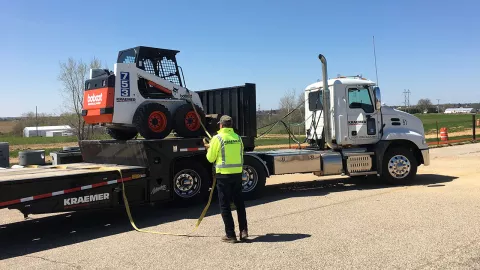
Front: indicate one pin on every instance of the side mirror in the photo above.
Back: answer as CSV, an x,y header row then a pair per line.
x,y
378,98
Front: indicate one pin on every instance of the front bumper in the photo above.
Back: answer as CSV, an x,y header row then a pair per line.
x,y
426,157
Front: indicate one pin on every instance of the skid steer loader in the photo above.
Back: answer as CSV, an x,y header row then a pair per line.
x,y
144,94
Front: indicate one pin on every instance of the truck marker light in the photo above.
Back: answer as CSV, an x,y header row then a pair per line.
x,y
192,149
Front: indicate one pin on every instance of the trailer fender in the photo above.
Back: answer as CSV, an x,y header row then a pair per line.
x,y
261,160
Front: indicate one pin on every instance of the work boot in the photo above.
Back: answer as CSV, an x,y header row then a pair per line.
x,y
229,239
243,235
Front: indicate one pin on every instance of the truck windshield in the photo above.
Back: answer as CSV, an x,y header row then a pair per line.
x,y
359,98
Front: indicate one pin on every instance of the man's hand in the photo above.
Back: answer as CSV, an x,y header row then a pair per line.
x,y
205,143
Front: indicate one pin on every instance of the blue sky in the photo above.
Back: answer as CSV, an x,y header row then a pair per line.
x,y
429,47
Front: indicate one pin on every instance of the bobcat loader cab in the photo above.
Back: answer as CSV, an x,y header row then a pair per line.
x,y
144,94
348,117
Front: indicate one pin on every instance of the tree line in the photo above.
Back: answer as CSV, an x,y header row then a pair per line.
x,y
425,105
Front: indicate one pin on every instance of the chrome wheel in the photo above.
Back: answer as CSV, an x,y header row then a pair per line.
x,y
399,166
249,178
187,183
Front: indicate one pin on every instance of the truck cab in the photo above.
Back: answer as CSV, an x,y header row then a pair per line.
x,y
357,114
349,117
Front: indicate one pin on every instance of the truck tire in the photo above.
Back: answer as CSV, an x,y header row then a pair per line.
x,y
399,166
153,121
254,178
186,122
122,134
191,182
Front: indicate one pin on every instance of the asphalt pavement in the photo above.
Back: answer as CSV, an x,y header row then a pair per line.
x,y
302,222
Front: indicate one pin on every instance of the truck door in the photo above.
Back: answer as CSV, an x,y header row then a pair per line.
x,y
363,125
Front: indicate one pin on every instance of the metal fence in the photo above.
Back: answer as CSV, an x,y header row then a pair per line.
x,y
439,128
448,128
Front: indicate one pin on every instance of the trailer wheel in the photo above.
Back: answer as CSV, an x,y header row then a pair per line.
x,y
122,134
153,121
254,178
186,122
191,181
399,166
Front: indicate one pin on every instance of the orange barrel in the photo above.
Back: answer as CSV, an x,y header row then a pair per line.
x,y
478,122
443,134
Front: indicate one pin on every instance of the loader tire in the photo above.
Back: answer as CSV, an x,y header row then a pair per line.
x,y
186,122
153,121
122,134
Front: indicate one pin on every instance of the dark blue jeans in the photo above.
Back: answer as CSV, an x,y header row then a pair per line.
x,y
229,187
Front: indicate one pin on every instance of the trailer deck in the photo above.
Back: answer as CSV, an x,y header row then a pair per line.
x,y
47,172
75,186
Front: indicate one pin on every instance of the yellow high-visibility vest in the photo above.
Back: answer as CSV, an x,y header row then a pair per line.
x,y
226,150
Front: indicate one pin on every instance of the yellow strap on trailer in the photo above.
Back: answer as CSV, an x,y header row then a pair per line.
x,y
205,209
129,213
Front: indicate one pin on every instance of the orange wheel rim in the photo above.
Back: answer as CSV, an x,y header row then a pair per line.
x,y
157,121
191,121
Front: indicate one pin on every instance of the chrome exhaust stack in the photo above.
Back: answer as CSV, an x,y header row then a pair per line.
x,y
327,119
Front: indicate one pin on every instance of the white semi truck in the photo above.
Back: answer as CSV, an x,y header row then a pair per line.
x,y
350,133
345,115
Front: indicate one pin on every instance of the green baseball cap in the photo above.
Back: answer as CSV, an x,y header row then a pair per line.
x,y
225,119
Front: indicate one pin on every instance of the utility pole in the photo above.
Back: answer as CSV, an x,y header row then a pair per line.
x,y
438,105
36,119
408,98
406,93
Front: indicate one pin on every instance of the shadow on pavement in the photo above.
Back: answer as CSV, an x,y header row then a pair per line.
x,y
30,236
278,237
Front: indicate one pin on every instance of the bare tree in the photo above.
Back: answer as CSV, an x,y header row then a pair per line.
x,y
73,74
424,104
287,102
290,102
301,106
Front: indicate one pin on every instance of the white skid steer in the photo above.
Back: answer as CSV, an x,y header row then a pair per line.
x,y
144,94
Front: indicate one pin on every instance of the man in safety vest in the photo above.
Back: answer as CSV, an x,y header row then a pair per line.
x,y
226,151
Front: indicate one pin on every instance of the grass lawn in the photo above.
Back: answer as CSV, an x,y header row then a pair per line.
x,y
14,140
453,122
274,141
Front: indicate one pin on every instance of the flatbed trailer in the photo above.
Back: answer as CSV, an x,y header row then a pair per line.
x,y
153,171
49,189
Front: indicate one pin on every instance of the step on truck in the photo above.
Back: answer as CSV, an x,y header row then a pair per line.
x,y
348,131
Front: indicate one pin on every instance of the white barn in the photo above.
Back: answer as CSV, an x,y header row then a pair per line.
x,y
42,131
460,110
